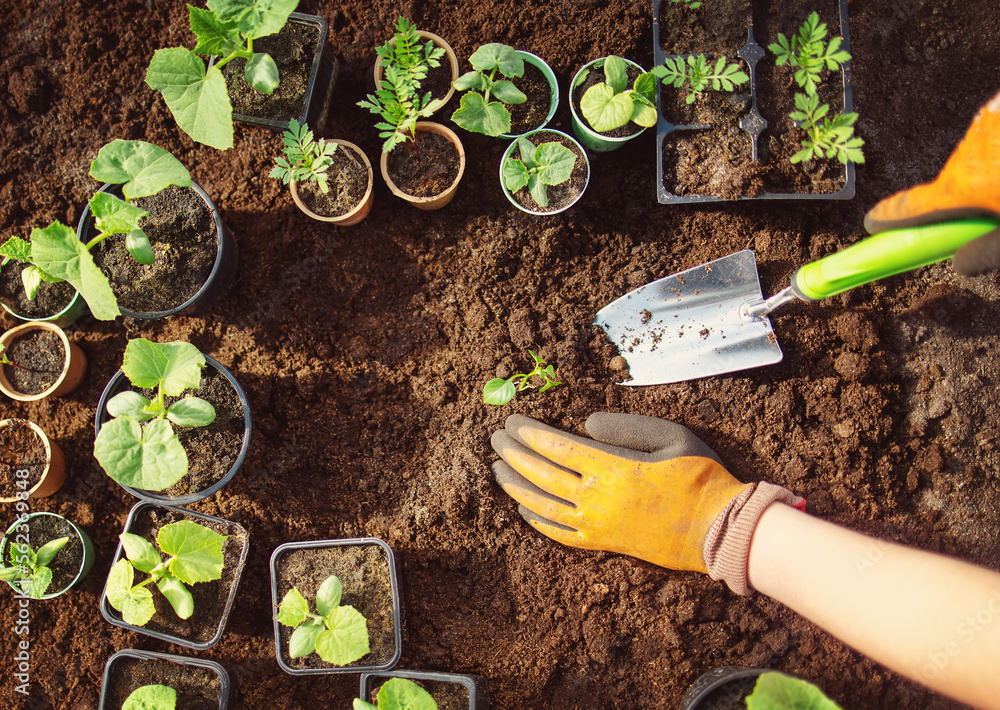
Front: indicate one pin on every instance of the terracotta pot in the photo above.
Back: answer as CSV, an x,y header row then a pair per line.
x,y
55,469
436,104
73,370
358,213
434,202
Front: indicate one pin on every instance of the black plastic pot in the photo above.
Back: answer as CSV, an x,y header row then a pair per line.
x,y
224,271
119,383
713,690
322,78
114,664
475,685
753,123
278,592
232,572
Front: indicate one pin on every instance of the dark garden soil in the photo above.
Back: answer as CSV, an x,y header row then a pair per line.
x,y
36,361
565,193
364,352
43,529
347,184
20,448
529,115
364,572
426,167
197,688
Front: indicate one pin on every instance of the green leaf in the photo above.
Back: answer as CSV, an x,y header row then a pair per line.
x,y
777,691
497,391
141,168
645,86
173,367
129,404
215,37
140,552
515,174
643,115
303,640
135,603
404,693
616,74
555,162
254,18
37,583
17,249
360,704
49,550
329,594
539,191
151,459
604,109
177,594
137,244
31,279
198,99
470,80
113,215
191,412
197,551
497,56
345,639
262,73
10,574
475,115
57,251
151,697
293,610
508,93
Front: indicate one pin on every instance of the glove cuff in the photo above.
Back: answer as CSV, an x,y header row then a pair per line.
x,y
727,547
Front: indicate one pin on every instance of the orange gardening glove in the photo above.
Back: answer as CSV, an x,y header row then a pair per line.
x,y
968,185
644,487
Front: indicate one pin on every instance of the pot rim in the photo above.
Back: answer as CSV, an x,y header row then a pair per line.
x,y
347,216
474,684
507,153
550,76
439,129
86,556
15,332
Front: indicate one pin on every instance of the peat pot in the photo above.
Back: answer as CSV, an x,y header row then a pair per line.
x,y
438,199
361,209
44,471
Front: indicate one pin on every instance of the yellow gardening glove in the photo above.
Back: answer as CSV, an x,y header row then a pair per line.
x,y
968,185
646,487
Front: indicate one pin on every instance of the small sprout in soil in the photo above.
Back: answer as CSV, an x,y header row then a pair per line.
x,y
151,697
150,456
693,4
339,634
399,694
699,74
31,568
198,97
611,104
777,690
827,137
477,113
4,360
405,64
499,391
305,159
194,554
539,166
809,53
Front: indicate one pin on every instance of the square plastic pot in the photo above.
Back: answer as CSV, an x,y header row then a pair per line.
x,y
231,575
155,661
351,597
474,685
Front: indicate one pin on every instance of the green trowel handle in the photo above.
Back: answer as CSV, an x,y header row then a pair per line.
x,y
886,254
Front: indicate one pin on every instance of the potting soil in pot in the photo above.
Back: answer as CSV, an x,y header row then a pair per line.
x,y
565,192
529,115
38,357
718,26
448,696
347,183
20,449
197,688
66,564
428,170
50,299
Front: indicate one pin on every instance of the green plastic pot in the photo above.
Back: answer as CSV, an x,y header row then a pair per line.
x,y
542,213
597,142
66,317
86,562
540,64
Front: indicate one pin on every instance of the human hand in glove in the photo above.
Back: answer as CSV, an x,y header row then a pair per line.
x,y
642,486
967,186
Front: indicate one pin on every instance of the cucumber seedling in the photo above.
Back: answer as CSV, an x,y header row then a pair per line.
x,y
611,104
151,697
30,568
399,694
477,113
339,634
539,167
499,391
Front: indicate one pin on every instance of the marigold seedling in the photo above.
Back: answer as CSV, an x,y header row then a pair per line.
x,y
305,159
399,694
194,554
339,634
611,104
30,568
151,697
699,74
138,447
499,391
829,137
405,64
538,167
477,113
809,53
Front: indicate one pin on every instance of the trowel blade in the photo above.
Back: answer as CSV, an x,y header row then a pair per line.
x,y
689,325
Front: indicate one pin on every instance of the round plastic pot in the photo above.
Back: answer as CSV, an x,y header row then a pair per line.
x,y
512,147
539,63
360,211
729,684
278,594
475,685
224,271
55,466
86,560
64,318
119,383
434,202
587,135
112,616
436,104
112,668
73,369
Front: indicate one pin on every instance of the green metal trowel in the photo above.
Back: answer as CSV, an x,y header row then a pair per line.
x,y
712,319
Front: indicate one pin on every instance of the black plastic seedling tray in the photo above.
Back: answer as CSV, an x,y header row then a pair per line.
x,y
753,124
